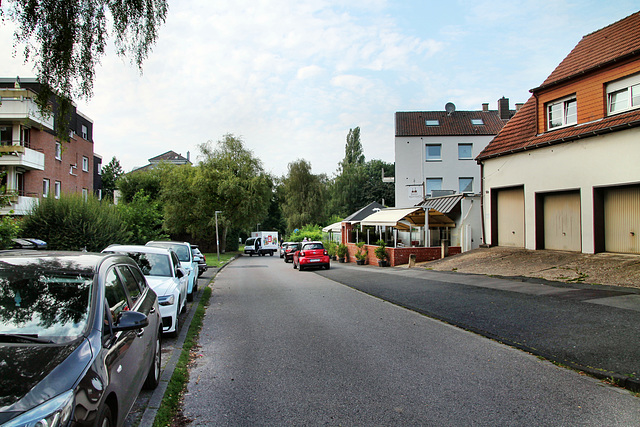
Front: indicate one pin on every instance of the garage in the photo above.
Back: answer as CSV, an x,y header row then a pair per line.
x,y
508,217
562,223
622,219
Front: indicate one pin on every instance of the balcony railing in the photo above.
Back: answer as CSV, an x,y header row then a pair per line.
x,y
25,110
19,155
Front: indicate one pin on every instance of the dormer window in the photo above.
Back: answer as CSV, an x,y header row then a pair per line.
x,y
561,113
432,122
477,122
623,95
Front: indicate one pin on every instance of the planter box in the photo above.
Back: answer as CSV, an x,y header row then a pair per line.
x,y
360,262
384,263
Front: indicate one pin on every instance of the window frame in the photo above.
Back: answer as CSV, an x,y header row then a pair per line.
x,y
465,144
429,191
57,189
58,151
85,164
629,85
460,179
564,110
426,153
46,187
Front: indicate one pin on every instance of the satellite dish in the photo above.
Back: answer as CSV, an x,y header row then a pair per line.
x,y
450,108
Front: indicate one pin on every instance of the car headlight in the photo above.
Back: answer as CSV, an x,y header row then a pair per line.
x,y
55,412
167,300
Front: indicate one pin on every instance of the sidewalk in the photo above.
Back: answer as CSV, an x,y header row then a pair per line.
x,y
591,328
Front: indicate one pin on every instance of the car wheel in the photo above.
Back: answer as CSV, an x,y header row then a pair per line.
x,y
195,287
328,266
153,377
190,297
250,253
104,417
300,267
294,265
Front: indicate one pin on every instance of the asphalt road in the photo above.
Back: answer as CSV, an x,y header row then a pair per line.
x,y
283,347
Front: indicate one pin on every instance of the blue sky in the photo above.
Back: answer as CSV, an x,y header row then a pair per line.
x,y
292,77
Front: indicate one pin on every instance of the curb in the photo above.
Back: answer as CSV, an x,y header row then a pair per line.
x,y
149,415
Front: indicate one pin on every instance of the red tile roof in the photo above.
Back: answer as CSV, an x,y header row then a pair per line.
x,y
603,47
458,123
598,49
520,133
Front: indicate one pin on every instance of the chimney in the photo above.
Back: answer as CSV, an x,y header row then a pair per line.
x,y
503,108
519,106
485,106
188,156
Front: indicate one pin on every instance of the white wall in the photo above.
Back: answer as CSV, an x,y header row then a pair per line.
x,y
598,161
412,167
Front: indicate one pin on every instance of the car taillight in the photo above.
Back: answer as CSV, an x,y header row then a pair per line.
x,y
325,252
301,253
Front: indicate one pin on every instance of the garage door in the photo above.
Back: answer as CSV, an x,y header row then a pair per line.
x,y
622,220
511,217
562,229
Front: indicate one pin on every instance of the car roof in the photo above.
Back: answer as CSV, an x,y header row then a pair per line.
x,y
172,242
87,262
138,248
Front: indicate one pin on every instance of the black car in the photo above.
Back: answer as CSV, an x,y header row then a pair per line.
x,y
79,337
290,248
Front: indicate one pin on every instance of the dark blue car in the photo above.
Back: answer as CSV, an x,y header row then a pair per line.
x,y
79,337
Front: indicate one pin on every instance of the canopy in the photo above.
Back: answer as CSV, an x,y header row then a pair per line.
x,y
335,228
405,218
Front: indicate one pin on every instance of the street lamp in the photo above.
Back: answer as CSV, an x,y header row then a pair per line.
x,y
217,240
257,227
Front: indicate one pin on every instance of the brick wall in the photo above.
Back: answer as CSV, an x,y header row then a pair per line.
x,y
399,256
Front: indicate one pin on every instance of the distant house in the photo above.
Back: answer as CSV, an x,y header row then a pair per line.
x,y
435,150
170,157
34,161
564,172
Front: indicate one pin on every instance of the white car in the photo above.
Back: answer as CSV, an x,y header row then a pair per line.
x,y
164,274
190,265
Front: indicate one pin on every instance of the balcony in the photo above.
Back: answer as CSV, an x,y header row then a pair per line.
x,y
15,105
18,155
20,205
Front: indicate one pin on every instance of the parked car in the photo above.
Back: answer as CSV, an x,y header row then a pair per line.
x,y
183,250
282,249
161,267
289,249
312,254
80,336
200,258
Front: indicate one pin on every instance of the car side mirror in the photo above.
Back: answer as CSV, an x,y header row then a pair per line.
x,y
197,259
130,320
180,273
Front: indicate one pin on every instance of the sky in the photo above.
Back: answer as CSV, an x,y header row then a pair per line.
x,y
292,77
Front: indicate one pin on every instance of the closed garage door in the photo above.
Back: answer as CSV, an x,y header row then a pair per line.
x,y
511,217
622,220
562,229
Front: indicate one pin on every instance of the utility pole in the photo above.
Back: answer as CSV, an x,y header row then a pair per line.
x,y
217,240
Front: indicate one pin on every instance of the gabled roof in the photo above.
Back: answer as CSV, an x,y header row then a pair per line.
x,y
169,156
364,212
604,47
413,123
598,49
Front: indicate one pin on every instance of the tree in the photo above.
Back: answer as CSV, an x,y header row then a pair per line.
x,y
143,219
110,174
134,182
353,149
67,38
305,196
376,190
347,192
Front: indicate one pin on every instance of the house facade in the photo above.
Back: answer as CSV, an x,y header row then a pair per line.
x,y
563,173
36,164
435,150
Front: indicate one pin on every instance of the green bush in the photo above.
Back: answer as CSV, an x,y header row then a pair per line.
x,y
361,253
9,228
342,250
311,232
143,218
71,223
332,249
381,250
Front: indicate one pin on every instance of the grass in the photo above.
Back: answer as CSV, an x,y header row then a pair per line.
x,y
212,258
170,405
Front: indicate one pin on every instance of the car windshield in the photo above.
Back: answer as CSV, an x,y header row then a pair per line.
x,y
310,246
47,305
249,242
152,264
183,251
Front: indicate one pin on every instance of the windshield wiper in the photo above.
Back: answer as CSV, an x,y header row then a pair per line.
x,y
24,337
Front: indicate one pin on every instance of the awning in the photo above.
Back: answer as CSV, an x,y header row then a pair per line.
x,y
405,218
335,228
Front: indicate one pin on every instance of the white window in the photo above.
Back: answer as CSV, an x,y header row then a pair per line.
x,y
623,95
477,122
99,167
432,122
45,187
433,152
57,189
465,185
85,132
433,184
465,151
562,113
85,164
85,194
58,151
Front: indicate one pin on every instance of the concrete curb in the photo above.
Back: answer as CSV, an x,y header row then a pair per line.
x,y
149,415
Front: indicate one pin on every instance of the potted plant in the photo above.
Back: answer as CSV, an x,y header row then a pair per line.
x,y
342,252
361,254
332,250
381,254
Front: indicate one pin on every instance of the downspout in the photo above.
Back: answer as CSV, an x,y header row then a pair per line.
x,y
484,237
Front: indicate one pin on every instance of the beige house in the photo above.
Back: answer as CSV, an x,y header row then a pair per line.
x,y
564,172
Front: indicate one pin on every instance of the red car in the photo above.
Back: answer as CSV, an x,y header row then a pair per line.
x,y
312,254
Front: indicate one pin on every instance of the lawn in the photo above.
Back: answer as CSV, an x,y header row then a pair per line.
x,y
212,258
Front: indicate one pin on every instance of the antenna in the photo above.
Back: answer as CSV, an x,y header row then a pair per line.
x,y
450,108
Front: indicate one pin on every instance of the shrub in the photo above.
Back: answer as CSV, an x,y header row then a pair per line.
x,y
71,223
143,218
332,249
361,254
381,250
342,250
